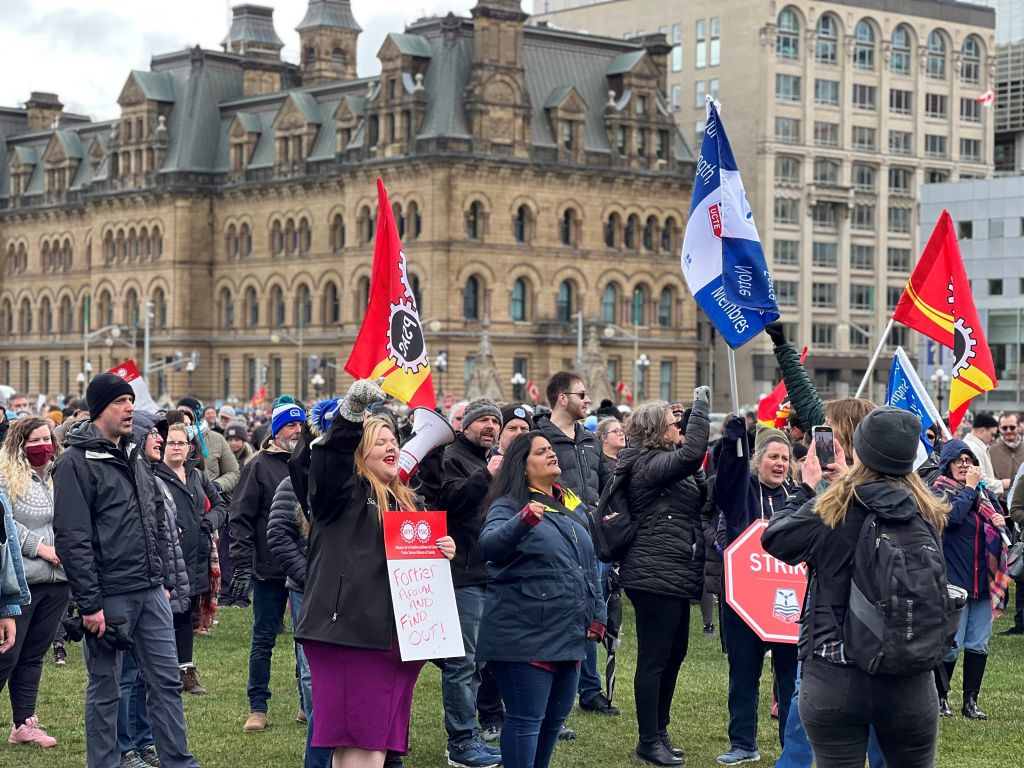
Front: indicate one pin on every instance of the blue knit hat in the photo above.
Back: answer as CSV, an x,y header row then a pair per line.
x,y
285,414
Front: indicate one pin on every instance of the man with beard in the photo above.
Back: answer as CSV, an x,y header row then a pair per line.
x,y
250,554
585,472
467,469
1007,457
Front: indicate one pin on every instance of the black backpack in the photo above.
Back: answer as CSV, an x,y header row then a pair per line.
x,y
902,614
612,528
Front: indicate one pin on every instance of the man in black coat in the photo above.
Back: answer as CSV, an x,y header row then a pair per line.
x,y
469,464
251,556
111,536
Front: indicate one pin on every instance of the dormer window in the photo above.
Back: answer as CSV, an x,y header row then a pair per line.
x,y
567,135
621,142
641,105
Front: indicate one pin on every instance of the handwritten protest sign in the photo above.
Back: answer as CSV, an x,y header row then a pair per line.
x,y
422,593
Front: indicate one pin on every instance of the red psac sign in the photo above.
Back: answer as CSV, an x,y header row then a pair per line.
x,y
766,592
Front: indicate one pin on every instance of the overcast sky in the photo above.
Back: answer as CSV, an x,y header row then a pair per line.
x,y
84,50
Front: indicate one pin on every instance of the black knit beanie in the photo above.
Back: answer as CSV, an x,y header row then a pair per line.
x,y
886,441
105,389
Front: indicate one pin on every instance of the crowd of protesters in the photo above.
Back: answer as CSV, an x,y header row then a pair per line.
x,y
130,529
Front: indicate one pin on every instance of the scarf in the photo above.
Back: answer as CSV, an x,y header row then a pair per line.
x,y
998,578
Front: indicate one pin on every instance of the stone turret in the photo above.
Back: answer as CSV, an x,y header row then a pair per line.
x,y
253,37
44,110
328,35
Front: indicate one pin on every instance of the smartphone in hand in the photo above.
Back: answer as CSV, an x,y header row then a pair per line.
x,y
824,446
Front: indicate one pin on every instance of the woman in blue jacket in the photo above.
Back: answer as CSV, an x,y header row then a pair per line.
x,y
975,560
543,600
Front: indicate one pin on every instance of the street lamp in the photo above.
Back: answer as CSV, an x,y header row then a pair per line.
x,y
642,364
111,332
609,333
318,383
940,378
440,364
518,382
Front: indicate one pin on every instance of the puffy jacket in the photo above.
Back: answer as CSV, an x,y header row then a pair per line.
x,y
543,588
466,481
286,537
33,517
710,514
584,470
109,522
666,492
802,395
739,494
796,534
250,512
175,567
963,541
221,465
196,522
347,599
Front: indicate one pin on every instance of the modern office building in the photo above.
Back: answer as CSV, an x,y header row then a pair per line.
x,y
235,198
839,113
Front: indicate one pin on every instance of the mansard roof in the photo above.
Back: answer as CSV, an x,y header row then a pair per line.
x,y
329,13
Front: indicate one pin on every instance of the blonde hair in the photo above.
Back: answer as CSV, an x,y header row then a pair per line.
x,y
403,496
843,416
15,471
834,503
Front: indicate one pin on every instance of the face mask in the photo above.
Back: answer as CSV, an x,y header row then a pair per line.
x,y
39,455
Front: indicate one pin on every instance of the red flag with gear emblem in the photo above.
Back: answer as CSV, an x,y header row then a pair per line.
x,y
938,303
390,343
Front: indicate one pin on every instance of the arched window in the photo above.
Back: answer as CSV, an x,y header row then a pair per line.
x,y
120,246
305,307
106,314
567,227
522,224
471,299
45,316
517,302
158,243
291,237
368,224
396,211
611,230
414,283
338,58
276,239
666,305
6,317
227,304
787,41
826,47
338,233
332,304
231,243
971,70
69,255
901,59
640,305
650,228
863,46
362,297
245,238
252,308
134,248
25,317
160,308
305,236
632,233
277,307
935,64
415,221
44,254
610,304
565,301
474,222
668,235
131,309
67,316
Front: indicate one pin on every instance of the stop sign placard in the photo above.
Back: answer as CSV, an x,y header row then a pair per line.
x,y
766,592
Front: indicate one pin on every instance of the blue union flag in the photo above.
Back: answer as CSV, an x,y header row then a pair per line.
x,y
722,258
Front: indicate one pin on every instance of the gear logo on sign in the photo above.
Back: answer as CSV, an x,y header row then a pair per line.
x,y
405,344
408,531
423,531
122,373
963,346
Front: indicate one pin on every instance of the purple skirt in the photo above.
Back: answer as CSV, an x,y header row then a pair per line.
x,y
361,698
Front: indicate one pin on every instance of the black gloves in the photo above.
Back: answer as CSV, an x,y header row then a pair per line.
x,y
241,580
776,333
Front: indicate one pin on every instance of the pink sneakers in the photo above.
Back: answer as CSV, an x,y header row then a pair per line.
x,y
31,733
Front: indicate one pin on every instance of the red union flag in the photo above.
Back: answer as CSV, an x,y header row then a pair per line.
x,y
766,592
626,393
130,373
715,214
390,342
533,391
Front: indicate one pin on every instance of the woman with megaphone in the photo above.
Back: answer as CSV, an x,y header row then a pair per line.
x,y
362,690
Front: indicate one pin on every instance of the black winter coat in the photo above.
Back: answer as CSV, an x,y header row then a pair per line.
x,y
584,469
284,535
713,566
347,599
667,492
109,523
466,482
195,523
250,512
174,560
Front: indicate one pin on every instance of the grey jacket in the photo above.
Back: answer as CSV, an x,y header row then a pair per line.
x,y
33,516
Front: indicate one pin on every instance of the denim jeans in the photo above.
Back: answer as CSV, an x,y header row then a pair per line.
x,y
536,704
590,678
838,704
798,753
133,729
268,605
316,757
975,628
460,677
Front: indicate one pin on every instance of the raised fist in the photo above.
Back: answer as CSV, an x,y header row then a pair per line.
x,y
776,333
702,395
361,395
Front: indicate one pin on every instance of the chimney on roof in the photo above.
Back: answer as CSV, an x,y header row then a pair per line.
x,y
43,110
658,49
253,37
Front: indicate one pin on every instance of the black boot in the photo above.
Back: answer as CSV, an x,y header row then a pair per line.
x,y
944,708
657,754
974,672
672,748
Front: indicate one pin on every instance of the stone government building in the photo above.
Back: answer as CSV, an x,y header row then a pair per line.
x,y
534,174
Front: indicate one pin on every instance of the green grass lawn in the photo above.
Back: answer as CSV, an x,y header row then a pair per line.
x,y
699,718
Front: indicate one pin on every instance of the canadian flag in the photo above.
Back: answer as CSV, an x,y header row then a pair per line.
x,y
533,391
130,372
987,99
624,391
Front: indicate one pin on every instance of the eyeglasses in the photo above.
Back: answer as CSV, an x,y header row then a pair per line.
x,y
1009,428
963,461
176,444
617,431
581,394
153,433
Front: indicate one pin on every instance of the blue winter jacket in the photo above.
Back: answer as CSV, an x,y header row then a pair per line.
x,y
963,540
543,588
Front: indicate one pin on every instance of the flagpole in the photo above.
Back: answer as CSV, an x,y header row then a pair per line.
x,y
734,391
874,359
